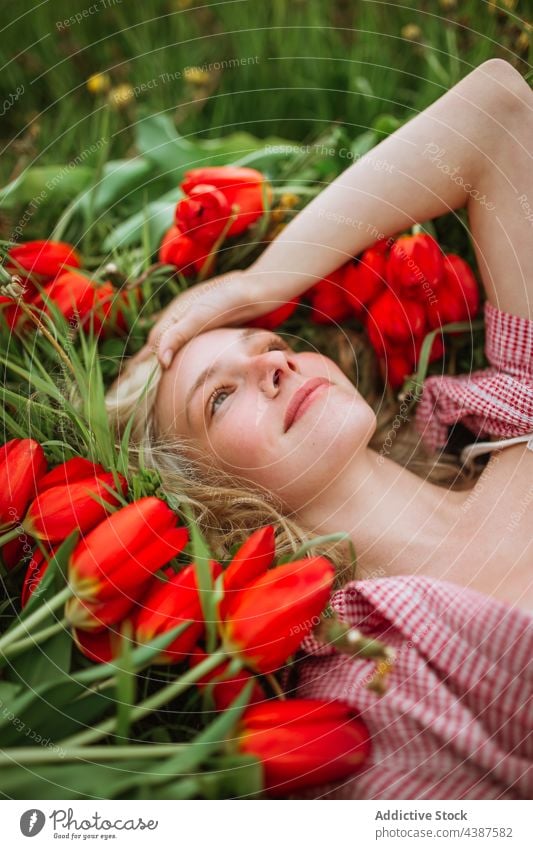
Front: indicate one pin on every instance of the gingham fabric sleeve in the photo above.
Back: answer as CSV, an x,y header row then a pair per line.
x,y
496,401
456,721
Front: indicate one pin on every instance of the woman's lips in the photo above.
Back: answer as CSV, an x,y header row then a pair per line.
x,y
301,399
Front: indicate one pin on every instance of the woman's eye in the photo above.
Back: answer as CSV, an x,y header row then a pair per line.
x,y
221,393
218,394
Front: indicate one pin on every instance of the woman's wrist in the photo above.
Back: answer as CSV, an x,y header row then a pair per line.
x,y
275,285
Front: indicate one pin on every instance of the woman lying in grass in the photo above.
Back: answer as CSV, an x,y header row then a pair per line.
x,y
251,432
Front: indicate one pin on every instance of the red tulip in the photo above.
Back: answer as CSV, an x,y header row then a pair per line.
x,y
328,299
35,571
303,742
59,510
415,265
397,365
203,213
169,603
75,469
243,189
72,293
44,257
96,616
180,250
273,319
363,281
11,313
266,622
22,465
458,297
99,646
106,314
117,558
251,560
226,687
397,320
14,550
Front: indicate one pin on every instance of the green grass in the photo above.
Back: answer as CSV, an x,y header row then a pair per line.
x,y
301,65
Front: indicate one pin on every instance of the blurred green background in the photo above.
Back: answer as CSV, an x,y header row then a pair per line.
x,y
272,67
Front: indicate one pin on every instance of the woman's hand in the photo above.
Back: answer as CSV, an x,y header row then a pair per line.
x,y
226,300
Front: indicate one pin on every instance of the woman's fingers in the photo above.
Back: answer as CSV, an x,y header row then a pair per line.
x,y
223,301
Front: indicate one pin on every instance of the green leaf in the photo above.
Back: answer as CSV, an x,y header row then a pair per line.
x,y
71,781
202,557
205,744
51,184
44,661
384,125
363,143
158,216
125,687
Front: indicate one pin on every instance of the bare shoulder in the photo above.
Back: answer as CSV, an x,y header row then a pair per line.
x,y
496,528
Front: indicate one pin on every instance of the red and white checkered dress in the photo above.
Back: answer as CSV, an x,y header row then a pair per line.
x,y
456,721
496,401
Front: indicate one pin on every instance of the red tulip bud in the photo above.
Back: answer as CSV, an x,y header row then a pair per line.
x,y
365,280
415,265
395,319
243,189
303,742
22,466
169,603
266,622
251,560
73,294
328,299
44,257
117,558
203,213
59,510
458,297
180,250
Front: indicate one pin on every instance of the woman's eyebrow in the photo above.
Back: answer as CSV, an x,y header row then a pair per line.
x,y
211,370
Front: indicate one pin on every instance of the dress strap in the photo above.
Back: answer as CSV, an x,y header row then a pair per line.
x,y
470,451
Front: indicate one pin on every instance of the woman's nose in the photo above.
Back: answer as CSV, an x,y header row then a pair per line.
x,y
272,367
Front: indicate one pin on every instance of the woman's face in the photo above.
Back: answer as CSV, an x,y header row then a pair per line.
x,y
255,408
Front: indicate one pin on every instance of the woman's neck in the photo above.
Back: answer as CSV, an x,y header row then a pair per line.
x,y
398,522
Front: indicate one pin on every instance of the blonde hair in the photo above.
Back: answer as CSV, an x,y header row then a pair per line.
x,y
227,508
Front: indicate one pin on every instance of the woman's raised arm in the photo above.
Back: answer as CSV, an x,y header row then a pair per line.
x,y
472,148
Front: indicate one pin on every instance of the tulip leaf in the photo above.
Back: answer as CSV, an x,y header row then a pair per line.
x,y
44,661
205,744
226,777
85,780
51,184
53,579
157,216
125,683
363,143
202,558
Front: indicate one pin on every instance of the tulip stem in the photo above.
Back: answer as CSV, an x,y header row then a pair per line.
x,y
29,313
34,639
10,535
152,702
22,629
30,755
276,686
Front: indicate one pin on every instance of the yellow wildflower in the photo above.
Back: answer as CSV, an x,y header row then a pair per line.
x,y
98,83
121,96
196,76
411,32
